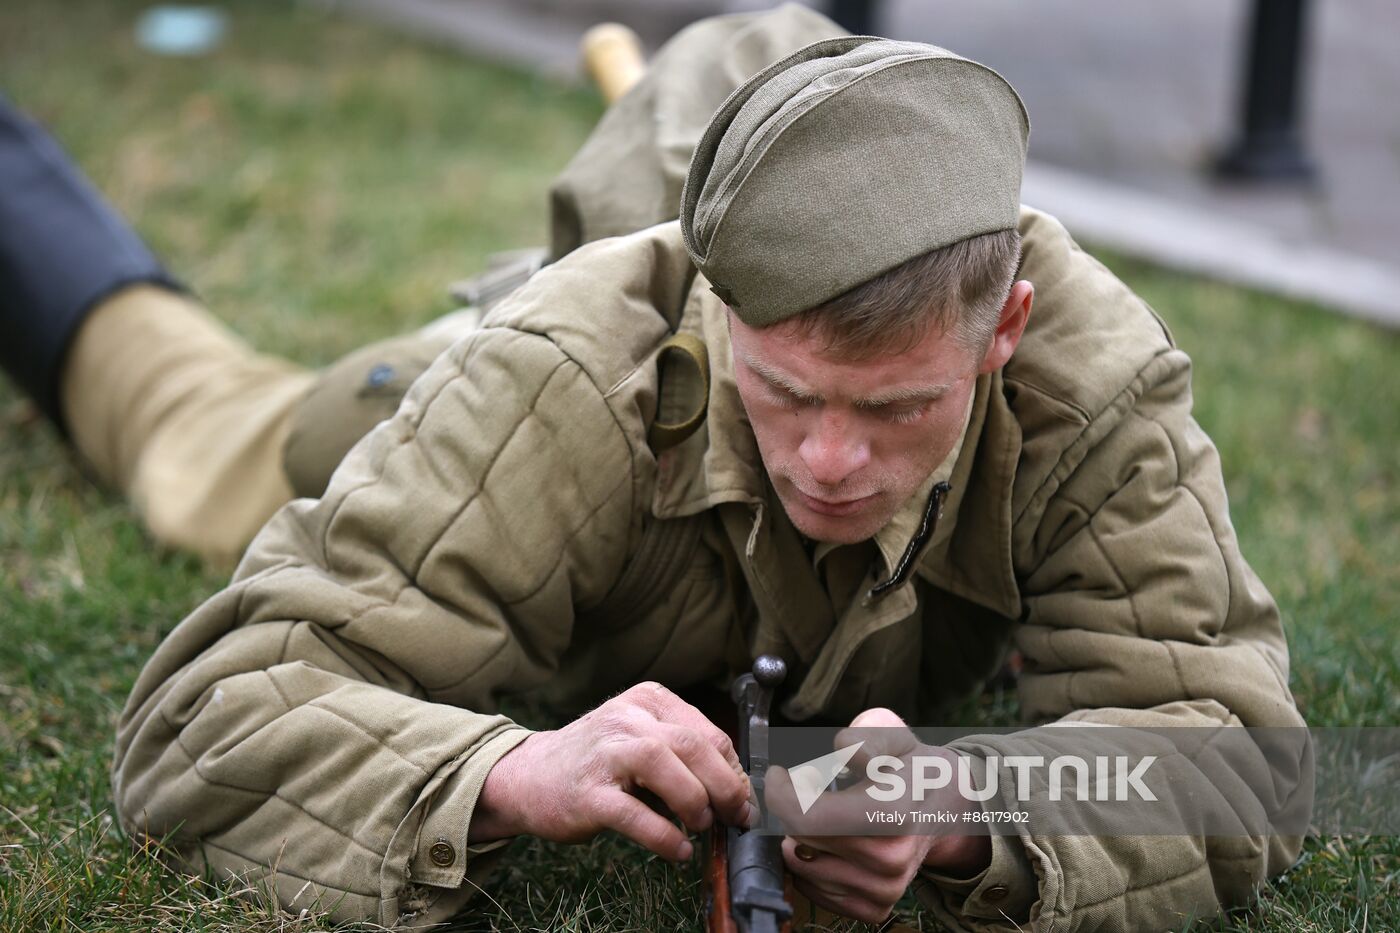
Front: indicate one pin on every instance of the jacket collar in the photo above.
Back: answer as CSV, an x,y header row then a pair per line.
x,y
970,552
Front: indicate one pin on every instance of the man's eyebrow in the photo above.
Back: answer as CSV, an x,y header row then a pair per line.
x,y
902,395
780,379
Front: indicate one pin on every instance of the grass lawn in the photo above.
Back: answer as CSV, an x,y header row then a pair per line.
x,y
319,183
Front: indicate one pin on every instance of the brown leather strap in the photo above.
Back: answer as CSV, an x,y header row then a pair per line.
x,y
681,350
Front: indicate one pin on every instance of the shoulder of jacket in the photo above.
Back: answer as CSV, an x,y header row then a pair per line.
x,y
1091,349
1088,336
609,308
608,305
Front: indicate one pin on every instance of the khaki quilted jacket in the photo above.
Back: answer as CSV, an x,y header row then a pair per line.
x,y
326,722
331,713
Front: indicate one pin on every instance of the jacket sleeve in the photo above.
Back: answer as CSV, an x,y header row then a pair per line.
x,y
323,725
1138,611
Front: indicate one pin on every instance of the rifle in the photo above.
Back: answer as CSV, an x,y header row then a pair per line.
x,y
749,890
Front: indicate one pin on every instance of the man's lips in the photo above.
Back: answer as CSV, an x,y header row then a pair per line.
x,y
834,509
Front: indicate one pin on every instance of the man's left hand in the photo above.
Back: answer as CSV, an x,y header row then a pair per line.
x,y
862,876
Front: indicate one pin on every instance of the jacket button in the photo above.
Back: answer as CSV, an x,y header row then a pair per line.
x,y
995,893
442,854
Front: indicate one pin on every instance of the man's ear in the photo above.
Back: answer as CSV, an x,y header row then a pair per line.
x,y
1009,327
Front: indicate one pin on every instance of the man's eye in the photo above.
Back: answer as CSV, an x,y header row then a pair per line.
x,y
905,415
784,399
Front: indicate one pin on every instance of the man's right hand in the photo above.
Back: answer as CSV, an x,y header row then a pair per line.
x,y
570,784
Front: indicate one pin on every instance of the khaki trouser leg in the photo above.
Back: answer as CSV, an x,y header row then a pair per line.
x,y
182,417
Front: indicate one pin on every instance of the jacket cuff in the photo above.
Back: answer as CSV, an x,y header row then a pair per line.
x,y
442,852
428,858
1005,890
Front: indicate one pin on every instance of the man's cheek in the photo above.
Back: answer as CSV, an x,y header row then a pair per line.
x,y
778,443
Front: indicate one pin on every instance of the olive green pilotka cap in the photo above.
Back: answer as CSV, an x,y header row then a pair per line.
x,y
844,160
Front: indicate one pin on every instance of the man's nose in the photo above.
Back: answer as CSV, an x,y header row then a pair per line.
x,y
833,450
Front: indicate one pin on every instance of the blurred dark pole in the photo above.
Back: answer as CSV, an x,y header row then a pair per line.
x,y
855,16
1270,148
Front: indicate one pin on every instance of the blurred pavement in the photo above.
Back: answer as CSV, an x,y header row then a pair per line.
x,y
1128,104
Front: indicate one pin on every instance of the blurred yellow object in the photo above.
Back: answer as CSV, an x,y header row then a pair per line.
x,y
612,53
167,405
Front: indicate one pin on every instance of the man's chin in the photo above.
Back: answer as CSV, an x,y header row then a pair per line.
x,y
854,526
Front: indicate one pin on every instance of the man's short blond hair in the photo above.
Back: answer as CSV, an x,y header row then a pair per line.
x,y
958,289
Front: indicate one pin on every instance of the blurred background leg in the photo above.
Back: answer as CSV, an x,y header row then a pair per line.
x,y
62,250
184,418
160,400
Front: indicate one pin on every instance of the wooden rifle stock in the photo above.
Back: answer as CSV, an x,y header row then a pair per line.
x,y
721,918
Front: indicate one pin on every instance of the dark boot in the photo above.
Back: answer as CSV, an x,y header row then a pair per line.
x,y
63,249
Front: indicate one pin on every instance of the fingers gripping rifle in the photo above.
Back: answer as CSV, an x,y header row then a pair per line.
x,y
749,887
